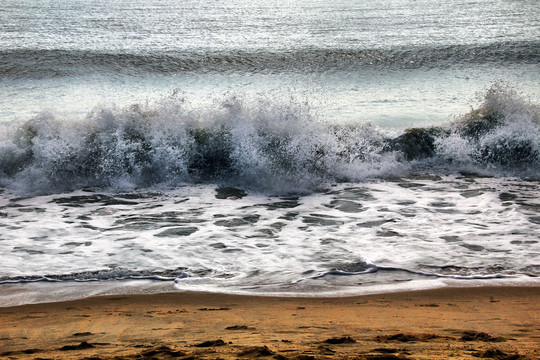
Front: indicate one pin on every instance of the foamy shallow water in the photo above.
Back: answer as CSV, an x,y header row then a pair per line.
x,y
416,232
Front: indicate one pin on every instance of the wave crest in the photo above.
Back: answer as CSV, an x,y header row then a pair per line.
x,y
503,131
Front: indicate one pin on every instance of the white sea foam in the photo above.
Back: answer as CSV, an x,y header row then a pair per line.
x,y
352,239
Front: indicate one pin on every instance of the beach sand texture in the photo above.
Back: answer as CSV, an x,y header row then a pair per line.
x,y
462,323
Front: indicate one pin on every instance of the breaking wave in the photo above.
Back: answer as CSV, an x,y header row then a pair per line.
x,y
266,144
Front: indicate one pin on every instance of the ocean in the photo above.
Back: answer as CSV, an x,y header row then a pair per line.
x,y
291,148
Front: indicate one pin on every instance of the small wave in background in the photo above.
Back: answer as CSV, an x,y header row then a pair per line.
x,y
30,63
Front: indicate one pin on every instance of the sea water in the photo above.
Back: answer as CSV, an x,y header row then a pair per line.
x,y
276,148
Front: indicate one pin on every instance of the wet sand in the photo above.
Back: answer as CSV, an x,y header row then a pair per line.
x,y
463,323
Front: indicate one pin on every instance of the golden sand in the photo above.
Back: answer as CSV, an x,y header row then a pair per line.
x,y
462,323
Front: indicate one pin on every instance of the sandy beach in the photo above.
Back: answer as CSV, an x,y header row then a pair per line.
x,y
462,323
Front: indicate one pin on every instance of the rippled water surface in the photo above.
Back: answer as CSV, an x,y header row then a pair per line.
x,y
347,239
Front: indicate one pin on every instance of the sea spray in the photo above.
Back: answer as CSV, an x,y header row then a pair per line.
x,y
502,133
264,143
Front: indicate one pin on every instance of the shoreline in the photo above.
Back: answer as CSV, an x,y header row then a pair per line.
x,y
498,322
15,294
